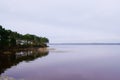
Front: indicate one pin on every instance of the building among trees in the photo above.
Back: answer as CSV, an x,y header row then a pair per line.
x,y
10,39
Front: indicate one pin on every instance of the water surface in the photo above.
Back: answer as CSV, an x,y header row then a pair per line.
x,y
65,62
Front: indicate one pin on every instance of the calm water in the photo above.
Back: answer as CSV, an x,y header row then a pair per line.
x,y
64,62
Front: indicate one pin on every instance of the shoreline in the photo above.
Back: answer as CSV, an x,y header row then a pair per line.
x,y
17,49
8,78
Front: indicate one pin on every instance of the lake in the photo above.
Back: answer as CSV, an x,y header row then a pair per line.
x,y
64,62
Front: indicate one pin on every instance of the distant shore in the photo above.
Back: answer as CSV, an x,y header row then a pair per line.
x,y
84,43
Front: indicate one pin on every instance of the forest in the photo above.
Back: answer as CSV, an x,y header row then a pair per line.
x,y
10,40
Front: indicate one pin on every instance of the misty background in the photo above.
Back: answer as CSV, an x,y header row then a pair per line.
x,y
71,21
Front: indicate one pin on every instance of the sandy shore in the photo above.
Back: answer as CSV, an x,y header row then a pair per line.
x,y
8,78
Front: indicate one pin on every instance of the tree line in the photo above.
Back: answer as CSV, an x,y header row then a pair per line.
x,y
11,39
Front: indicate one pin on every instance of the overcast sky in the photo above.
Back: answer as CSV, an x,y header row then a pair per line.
x,y
64,20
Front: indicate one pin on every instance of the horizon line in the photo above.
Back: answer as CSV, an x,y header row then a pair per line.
x,y
84,43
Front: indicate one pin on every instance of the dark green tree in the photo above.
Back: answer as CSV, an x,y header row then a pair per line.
x,y
9,39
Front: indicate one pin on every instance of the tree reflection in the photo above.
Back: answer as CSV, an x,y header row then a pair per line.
x,y
13,58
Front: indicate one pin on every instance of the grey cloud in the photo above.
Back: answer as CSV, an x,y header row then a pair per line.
x,y
90,20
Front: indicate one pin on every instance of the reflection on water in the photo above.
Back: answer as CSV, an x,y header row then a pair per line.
x,y
9,59
64,62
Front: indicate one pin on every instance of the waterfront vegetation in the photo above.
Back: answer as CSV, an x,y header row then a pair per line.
x,y
14,40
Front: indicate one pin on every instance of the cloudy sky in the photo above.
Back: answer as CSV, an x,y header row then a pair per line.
x,y
64,20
